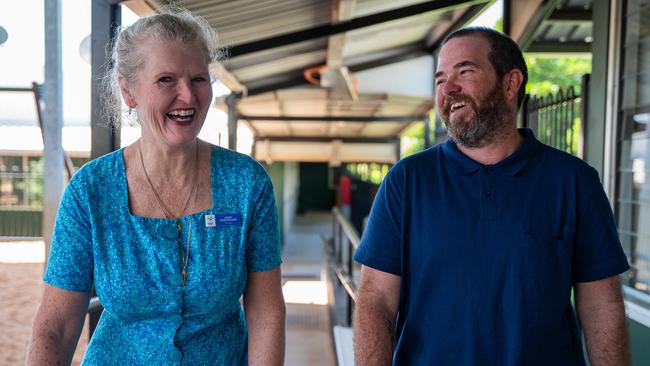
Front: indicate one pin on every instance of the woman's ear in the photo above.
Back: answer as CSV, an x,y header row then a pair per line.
x,y
126,93
512,81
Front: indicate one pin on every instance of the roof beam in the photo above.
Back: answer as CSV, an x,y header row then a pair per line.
x,y
275,82
559,47
571,14
350,140
228,79
296,78
334,118
336,76
141,7
432,42
346,26
341,11
527,16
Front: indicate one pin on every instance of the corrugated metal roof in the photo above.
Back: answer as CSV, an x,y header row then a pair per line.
x,y
273,43
567,29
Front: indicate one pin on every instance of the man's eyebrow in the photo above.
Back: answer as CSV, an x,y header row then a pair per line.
x,y
458,66
465,63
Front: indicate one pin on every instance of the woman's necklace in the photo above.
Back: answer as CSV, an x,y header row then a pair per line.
x,y
168,214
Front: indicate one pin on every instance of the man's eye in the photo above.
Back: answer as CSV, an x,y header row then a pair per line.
x,y
465,71
438,82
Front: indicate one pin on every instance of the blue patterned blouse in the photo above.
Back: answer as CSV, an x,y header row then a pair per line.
x,y
134,264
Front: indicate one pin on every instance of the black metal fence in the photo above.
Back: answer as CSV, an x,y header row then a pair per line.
x,y
559,120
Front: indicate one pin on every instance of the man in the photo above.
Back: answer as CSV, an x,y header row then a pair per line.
x,y
473,247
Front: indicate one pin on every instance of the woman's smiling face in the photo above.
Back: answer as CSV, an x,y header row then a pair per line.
x,y
172,91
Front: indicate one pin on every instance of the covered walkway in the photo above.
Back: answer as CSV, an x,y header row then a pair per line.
x,y
309,340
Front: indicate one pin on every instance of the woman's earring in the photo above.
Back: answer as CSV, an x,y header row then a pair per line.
x,y
130,109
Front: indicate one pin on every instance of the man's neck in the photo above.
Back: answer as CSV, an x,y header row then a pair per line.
x,y
496,151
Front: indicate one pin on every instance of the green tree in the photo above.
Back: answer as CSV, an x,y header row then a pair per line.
x,y
547,75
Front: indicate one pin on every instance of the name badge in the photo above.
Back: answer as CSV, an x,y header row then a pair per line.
x,y
210,221
231,219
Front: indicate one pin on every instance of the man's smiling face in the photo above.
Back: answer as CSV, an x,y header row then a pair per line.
x,y
469,95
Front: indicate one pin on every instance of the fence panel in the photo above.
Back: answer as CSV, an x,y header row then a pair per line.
x,y
559,120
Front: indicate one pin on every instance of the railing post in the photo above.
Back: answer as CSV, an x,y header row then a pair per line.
x,y
524,112
427,132
350,265
584,113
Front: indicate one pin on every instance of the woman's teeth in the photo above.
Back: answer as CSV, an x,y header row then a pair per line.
x,y
181,115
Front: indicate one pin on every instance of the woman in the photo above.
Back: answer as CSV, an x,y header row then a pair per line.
x,y
170,230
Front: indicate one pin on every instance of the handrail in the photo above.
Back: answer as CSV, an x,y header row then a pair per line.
x,y
36,90
345,240
349,230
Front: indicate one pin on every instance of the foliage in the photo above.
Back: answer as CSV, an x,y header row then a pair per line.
x,y
373,172
412,139
36,168
547,75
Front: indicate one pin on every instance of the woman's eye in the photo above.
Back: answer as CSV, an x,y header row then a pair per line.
x,y
165,80
199,79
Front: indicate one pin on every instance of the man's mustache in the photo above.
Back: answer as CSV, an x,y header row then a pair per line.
x,y
450,100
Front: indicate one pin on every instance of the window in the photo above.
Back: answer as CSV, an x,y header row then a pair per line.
x,y
21,182
633,168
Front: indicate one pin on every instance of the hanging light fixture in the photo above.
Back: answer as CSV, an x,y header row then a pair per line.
x,y
3,35
84,48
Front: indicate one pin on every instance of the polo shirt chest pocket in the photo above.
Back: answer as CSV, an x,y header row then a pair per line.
x,y
537,233
545,258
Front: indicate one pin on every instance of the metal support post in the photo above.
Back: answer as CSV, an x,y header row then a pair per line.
x,y
233,117
105,135
584,114
53,177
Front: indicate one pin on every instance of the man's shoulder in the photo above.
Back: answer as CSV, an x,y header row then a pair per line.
x,y
562,161
420,159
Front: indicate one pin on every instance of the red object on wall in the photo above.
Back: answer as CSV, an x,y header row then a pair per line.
x,y
345,190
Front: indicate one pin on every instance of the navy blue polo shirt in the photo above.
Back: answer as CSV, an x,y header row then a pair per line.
x,y
488,254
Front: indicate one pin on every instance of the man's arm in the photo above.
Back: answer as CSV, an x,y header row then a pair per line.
x,y
602,315
374,322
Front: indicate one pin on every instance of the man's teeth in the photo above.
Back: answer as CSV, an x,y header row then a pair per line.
x,y
181,114
457,105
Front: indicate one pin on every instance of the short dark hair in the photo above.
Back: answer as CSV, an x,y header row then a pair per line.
x,y
505,55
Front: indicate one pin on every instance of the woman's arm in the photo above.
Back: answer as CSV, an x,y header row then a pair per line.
x,y
57,326
265,315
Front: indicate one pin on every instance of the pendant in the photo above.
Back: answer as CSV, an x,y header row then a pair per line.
x,y
184,274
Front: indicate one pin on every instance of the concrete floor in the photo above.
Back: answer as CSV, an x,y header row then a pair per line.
x,y
309,340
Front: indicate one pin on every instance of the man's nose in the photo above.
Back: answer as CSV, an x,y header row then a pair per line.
x,y
450,87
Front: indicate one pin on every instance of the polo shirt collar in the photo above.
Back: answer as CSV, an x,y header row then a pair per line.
x,y
511,165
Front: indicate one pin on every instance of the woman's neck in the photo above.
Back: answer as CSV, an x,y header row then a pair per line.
x,y
169,162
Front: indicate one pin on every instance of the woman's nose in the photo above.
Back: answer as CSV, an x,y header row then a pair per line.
x,y
185,92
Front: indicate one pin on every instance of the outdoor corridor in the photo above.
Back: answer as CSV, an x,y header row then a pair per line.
x,y
309,340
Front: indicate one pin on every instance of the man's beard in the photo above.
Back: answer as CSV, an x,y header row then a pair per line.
x,y
484,127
